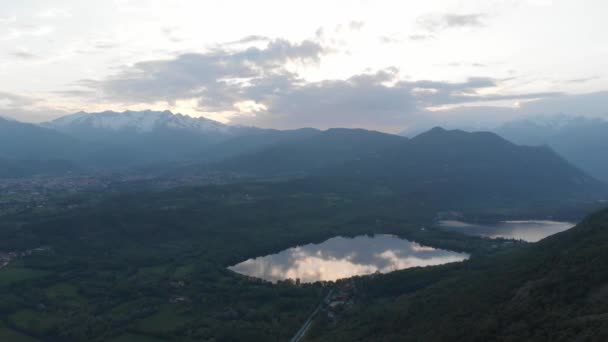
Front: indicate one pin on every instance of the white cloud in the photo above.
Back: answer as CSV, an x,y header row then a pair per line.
x,y
52,13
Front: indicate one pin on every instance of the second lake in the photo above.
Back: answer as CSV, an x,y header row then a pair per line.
x,y
530,231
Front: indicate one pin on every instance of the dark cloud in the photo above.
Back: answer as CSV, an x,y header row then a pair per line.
x,y
222,78
22,54
360,101
461,20
216,77
379,100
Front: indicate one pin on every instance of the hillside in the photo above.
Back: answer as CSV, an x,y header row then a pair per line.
x,y
312,151
27,141
447,164
582,141
10,168
554,290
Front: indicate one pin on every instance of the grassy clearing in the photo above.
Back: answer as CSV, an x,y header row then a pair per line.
x,y
134,338
37,322
65,293
164,321
11,275
184,272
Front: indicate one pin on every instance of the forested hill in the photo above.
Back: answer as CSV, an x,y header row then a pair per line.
x,y
555,290
449,163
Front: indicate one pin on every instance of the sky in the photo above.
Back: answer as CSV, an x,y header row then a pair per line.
x,y
383,65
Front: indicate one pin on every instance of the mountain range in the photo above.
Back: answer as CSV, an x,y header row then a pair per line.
x,y
449,162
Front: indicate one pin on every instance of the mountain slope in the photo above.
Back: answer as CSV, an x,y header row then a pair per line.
x,y
27,141
449,164
312,151
10,168
439,165
255,141
582,141
554,290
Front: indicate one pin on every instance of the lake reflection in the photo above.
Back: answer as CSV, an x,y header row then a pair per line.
x,y
531,231
342,257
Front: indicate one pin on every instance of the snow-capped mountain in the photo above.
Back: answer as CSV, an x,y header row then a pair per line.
x,y
136,121
145,136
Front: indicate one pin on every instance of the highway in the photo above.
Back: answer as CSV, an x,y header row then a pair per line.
x,y
304,329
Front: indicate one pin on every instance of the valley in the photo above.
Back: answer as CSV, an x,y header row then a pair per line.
x,y
318,171
148,251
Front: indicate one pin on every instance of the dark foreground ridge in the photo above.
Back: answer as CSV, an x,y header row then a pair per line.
x,y
555,290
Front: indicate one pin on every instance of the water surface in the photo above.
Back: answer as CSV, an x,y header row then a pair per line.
x,y
531,231
341,257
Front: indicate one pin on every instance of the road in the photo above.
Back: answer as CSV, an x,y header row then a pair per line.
x,y
304,329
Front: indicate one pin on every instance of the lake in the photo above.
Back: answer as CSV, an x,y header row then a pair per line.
x,y
531,231
342,257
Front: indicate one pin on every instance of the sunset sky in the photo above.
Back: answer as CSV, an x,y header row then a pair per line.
x,y
385,65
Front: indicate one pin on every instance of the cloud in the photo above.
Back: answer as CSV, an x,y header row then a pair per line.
x,y
582,80
26,31
104,45
23,54
216,77
256,86
356,25
250,39
421,37
463,64
26,108
52,13
442,22
486,117
170,33
10,100
361,101
8,20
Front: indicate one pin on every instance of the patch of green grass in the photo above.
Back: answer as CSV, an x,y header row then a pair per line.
x,y
9,335
11,275
33,321
65,293
165,320
134,338
184,272
153,271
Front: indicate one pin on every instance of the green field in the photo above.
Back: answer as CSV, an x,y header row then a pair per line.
x,y
37,322
12,275
134,338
